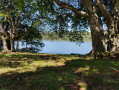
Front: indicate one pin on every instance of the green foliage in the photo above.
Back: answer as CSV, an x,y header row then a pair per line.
x,y
32,38
32,34
22,15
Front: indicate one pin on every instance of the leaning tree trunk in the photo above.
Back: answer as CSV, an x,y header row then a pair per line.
x,y
97,35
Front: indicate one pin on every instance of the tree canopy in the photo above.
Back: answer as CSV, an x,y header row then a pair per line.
x,y
16,18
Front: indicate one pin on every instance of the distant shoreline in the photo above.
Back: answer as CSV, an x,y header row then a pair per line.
x,y
64,40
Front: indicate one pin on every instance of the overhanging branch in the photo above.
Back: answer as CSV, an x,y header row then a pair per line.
x,y
70,7
104,11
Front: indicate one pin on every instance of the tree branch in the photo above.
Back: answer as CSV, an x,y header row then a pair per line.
x,y
64,5
104,11
14,26
17,16
3,30
20,22
1,35
68,15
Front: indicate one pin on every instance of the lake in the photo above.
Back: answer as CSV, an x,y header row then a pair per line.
x,y
64,47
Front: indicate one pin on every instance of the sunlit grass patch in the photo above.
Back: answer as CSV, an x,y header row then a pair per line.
x,y
5,70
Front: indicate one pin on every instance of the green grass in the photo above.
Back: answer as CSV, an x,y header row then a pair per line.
x,y
28,71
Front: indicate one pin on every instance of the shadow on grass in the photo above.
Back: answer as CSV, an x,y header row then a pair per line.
x,y
11,64
98,75
48,78
14,60
19,60
25,57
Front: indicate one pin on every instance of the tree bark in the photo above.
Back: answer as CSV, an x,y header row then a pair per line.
x,y
1,44
113,29
17,47
12,45
97,32
11,37
5,45
112,37
97,35
118,36
8,45
115,14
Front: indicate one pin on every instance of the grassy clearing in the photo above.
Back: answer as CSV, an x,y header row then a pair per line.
x,y
28,71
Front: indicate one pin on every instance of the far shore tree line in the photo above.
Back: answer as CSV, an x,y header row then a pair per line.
x,y
18,17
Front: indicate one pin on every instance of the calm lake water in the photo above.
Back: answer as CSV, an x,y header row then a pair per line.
x,y
64,47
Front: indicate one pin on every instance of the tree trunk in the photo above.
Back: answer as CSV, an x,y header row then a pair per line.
x,y
112,43
5,45
17,47
118,36
113,27
97,35
8,44
116,20
1,44
12,45
96,27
